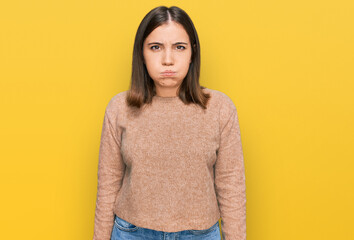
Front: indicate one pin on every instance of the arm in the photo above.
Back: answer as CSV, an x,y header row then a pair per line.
x,y
230,177
110,173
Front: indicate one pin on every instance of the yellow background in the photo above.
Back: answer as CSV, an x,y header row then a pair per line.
x,y
287,65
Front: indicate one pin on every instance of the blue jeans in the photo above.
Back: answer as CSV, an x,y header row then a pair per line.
x,y
127,231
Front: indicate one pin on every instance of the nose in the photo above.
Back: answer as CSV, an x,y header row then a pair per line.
x,y
167,58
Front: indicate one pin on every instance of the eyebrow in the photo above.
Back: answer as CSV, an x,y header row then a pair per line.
x,y
158,43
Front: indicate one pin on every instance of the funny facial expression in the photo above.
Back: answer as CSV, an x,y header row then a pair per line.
x,y
167,56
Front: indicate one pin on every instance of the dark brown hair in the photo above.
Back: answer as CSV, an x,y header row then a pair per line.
x,y
142,87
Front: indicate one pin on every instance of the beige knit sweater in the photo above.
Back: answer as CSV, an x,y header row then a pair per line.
x,y
171,167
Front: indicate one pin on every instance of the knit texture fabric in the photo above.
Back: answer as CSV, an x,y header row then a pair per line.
x,y
171,167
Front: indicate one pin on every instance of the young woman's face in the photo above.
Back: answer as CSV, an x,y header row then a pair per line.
x,y
167,48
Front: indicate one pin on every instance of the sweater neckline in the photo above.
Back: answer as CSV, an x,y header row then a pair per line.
x,y
166,99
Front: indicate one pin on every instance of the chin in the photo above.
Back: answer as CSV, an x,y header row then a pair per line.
x,y
168,81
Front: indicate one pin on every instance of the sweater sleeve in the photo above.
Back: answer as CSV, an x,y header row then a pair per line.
x,y
230,176
110,173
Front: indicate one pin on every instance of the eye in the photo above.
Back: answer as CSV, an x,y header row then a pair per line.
x,y
181,46
152,47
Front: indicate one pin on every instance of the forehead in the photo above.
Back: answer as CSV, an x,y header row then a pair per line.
x,y
168,32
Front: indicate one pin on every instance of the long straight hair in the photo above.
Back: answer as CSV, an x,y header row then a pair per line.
x,y
142,87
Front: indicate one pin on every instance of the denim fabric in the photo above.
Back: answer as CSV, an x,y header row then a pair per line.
x,y
123,230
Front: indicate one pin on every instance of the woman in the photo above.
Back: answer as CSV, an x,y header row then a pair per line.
x,y
170,159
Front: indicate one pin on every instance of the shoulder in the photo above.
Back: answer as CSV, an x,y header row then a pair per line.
x,y
223,106
220,100
116,103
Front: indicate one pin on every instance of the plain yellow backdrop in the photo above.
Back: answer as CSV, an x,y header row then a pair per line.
x,y
287,65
